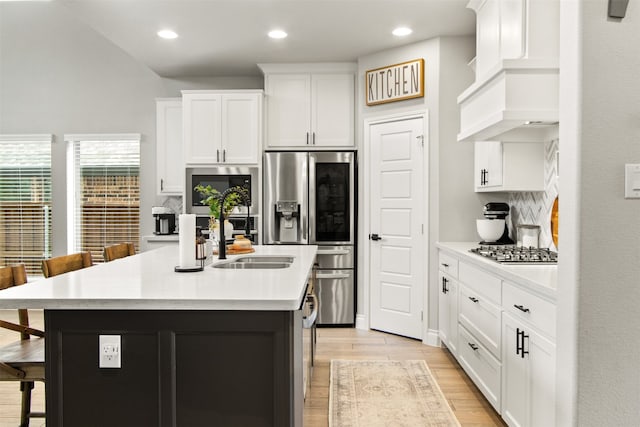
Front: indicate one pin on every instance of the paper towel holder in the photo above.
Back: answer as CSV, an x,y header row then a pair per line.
x,y
200,257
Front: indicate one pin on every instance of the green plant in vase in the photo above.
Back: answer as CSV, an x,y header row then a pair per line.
x,y
211,197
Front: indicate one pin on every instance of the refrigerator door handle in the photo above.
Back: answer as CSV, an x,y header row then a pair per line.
x,y
320,276
333,252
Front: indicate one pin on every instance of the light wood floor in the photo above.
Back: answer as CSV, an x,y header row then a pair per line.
x,y
465,399
468,404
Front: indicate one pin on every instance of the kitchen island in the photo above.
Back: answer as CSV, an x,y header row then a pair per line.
x,y
216,347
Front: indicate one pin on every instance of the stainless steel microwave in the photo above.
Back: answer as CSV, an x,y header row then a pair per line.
x,y
220,178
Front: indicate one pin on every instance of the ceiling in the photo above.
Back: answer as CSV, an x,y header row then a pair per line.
x,y
229,37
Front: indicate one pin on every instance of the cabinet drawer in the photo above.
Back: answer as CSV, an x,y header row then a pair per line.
x,y
448,264
481,317
481,366
481,281
523,305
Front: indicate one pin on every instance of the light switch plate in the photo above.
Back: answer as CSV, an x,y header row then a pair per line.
x,y
632,181
110,351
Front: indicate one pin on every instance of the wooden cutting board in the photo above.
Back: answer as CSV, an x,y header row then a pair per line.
x,y
554,222
232,251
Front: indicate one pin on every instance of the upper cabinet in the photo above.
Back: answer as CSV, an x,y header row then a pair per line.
x,y
169,166
509,166
516,87
309,105
222,127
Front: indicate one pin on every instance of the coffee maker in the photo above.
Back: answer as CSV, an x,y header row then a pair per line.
x,y
497,210
165,220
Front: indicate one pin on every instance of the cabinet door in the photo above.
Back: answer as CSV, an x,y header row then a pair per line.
x,y
488,164
528,378
444,308
487,37
332,110
202,131
240,128
288,110
448,312
169,163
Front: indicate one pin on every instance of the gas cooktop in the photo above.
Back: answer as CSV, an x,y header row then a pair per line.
x,y
512,254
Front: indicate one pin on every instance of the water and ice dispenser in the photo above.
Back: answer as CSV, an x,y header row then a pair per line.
x,y
287,215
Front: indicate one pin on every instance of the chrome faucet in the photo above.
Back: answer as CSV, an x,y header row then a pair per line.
x,y
222,245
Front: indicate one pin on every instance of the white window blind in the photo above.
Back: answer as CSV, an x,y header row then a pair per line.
x,y
25,200
104,191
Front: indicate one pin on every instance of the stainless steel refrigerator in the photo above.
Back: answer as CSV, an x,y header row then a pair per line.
x,y
310,198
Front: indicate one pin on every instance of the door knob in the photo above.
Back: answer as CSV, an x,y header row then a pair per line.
x,y
374,237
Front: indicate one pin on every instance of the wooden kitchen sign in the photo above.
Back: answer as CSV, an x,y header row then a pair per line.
x,y
395,82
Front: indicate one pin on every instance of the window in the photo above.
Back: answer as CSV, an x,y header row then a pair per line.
x,y
104,191
25,200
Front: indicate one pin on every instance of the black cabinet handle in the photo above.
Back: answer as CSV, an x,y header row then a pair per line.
x,y
224,156
473,346
445,265
374,237
521,308
217,155
474,299
445,289
313,138
161,184
520,337
307,138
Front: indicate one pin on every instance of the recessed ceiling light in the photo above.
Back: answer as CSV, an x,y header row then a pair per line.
x,y
167,34
402,31
277,34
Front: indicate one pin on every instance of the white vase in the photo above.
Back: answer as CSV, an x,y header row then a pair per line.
x,y
228,230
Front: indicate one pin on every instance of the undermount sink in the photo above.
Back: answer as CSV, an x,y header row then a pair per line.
x,y
257,262
252,265
264,258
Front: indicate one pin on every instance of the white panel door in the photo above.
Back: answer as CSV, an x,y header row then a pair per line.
x,y
396,209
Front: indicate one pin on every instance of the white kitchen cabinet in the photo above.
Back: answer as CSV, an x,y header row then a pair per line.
x,y
508,166
310,110
529,372
448,312
169,162
517,70
482,366
222,127
481,317
505,337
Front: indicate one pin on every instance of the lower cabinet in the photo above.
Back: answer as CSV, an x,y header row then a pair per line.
x,y
502,334
448,312
483,368
529,372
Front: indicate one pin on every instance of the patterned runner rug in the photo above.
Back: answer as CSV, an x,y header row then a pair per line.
x,y
371,393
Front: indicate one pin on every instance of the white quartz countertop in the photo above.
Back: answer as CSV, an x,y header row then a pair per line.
x,y
147,281
542,279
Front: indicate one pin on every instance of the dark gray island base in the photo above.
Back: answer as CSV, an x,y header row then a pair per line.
x,y
179,368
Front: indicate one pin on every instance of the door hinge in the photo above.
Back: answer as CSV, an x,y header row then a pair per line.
x,y
421,139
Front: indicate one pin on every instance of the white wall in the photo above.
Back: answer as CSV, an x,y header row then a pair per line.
x,y
599,270
58,76
452,204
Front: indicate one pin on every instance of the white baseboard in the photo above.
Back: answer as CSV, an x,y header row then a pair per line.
x,y
432,338
361,322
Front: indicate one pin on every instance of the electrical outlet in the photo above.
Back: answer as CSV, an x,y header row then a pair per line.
x,y
110,351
